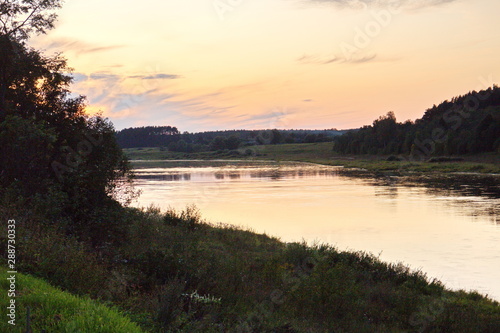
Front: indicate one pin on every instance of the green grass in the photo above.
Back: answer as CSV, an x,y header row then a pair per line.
x,y
54,310
159,154
322,153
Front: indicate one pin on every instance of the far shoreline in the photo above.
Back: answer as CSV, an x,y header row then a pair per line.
x,y
481,165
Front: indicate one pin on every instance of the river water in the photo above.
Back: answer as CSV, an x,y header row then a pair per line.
x,y
451,234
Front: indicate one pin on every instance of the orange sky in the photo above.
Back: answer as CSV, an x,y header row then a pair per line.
x,y
226,64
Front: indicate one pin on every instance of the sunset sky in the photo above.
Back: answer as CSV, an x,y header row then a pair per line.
x,y
254,64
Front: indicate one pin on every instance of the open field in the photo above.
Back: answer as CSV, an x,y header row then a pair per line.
x,y
322,153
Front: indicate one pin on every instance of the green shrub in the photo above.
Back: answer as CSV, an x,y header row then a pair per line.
x,y
62,260
188,218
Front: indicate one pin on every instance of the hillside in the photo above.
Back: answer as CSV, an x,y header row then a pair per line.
x,y
467,124
53,310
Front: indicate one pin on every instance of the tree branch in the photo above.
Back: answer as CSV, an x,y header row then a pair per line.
x,y
26,20
4,25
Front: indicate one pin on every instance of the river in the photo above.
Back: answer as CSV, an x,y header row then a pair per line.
x,y
452,235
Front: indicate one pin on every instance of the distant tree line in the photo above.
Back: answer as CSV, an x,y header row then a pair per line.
x,y
168,137
467,124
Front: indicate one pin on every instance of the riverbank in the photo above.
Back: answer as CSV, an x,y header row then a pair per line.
x,y
478,174
175,272
322,153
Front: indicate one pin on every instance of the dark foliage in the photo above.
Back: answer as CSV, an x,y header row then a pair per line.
x,y
467,124
51,149
171,138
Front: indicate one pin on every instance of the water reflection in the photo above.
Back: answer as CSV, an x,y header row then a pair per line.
x,y
467,185
390,191
481,190
178,171
447,227
471,195
159,176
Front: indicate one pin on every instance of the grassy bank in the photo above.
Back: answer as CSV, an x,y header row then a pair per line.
x,y
174,272
52,310
322,153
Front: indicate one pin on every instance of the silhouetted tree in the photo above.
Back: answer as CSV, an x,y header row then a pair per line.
x,y
52,152
232,142
276,137
218,143
466,124
385,129
18,20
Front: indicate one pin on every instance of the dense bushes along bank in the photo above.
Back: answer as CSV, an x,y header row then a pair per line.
x,y
173,272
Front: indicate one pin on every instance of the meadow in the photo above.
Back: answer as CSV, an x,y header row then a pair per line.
x,y
322,153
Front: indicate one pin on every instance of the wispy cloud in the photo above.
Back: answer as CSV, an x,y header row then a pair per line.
x,y
108,76
317,59
104,76
100,49
325,60
79,47
363,4
161,77
137,103
79,77
362,59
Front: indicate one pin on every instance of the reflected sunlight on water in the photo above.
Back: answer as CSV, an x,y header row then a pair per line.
x,y
449,235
